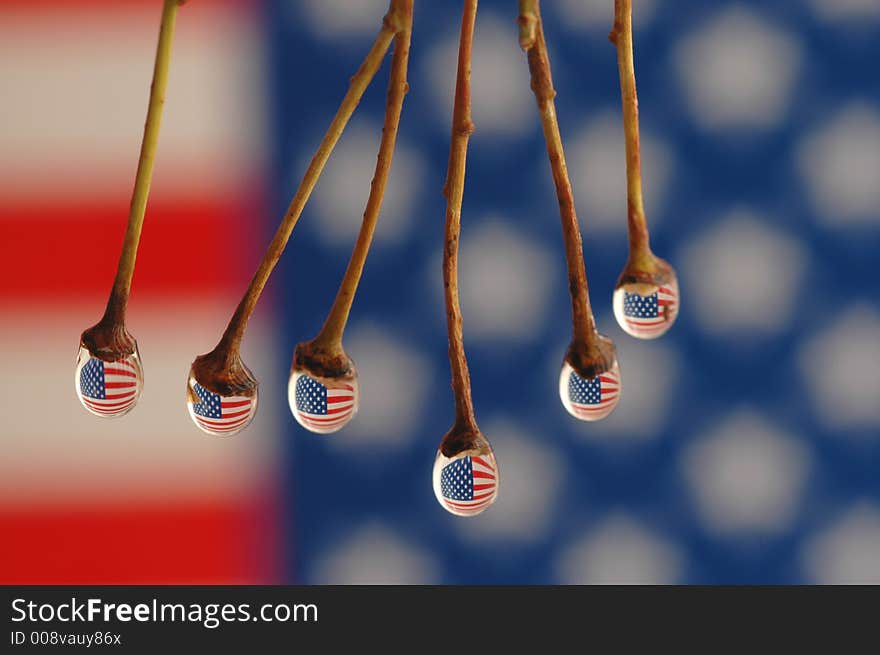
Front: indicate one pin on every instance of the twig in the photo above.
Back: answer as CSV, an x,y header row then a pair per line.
x,y
109,338
226,353
589,353
328,342
532,36
462,127
621,36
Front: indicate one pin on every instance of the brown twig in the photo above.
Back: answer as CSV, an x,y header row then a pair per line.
x,y
642,265
462,127
589,353
109,339
226,353
532,39
325,350
621,37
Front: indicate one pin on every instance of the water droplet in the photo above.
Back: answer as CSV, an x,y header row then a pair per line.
x,y
322,405
108,389
467,483
646,311
216,414
589,399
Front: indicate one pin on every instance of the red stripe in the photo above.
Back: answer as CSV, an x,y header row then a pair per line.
x,y
646,321
587,410
605,398
337,400
609,379
108,412
236,403
220,424
481,461
483,498
468,505
119,396
337,410
125,372
188,232
648,332
649,327
232,428
470,509
97,405
191,540
480,487
332,419
119,385
234,414
324,423
481,474
595,408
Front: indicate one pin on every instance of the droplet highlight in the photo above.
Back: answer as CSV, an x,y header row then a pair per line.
x,y
322,405
466,484
589,399
108,389
646,311
219,415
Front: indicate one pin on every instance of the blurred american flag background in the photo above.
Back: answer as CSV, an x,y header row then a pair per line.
x,y
745,447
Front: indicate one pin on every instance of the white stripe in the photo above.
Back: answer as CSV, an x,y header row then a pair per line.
x,y
54,449
75,86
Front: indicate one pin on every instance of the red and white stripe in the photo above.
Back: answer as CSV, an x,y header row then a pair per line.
x,y
341,406
485,487
610,393
144,499
235,413
122,386
667,308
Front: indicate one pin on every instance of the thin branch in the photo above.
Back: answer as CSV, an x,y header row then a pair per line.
x,y
118,301
462,127
532,41
231,340
622,37
330,337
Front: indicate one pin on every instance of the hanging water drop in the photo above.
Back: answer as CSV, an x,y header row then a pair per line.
x,y
645,310
589,399
323,405
108,388
466,484
218,414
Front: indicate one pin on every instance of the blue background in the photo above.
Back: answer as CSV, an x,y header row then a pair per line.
x,y
722,370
